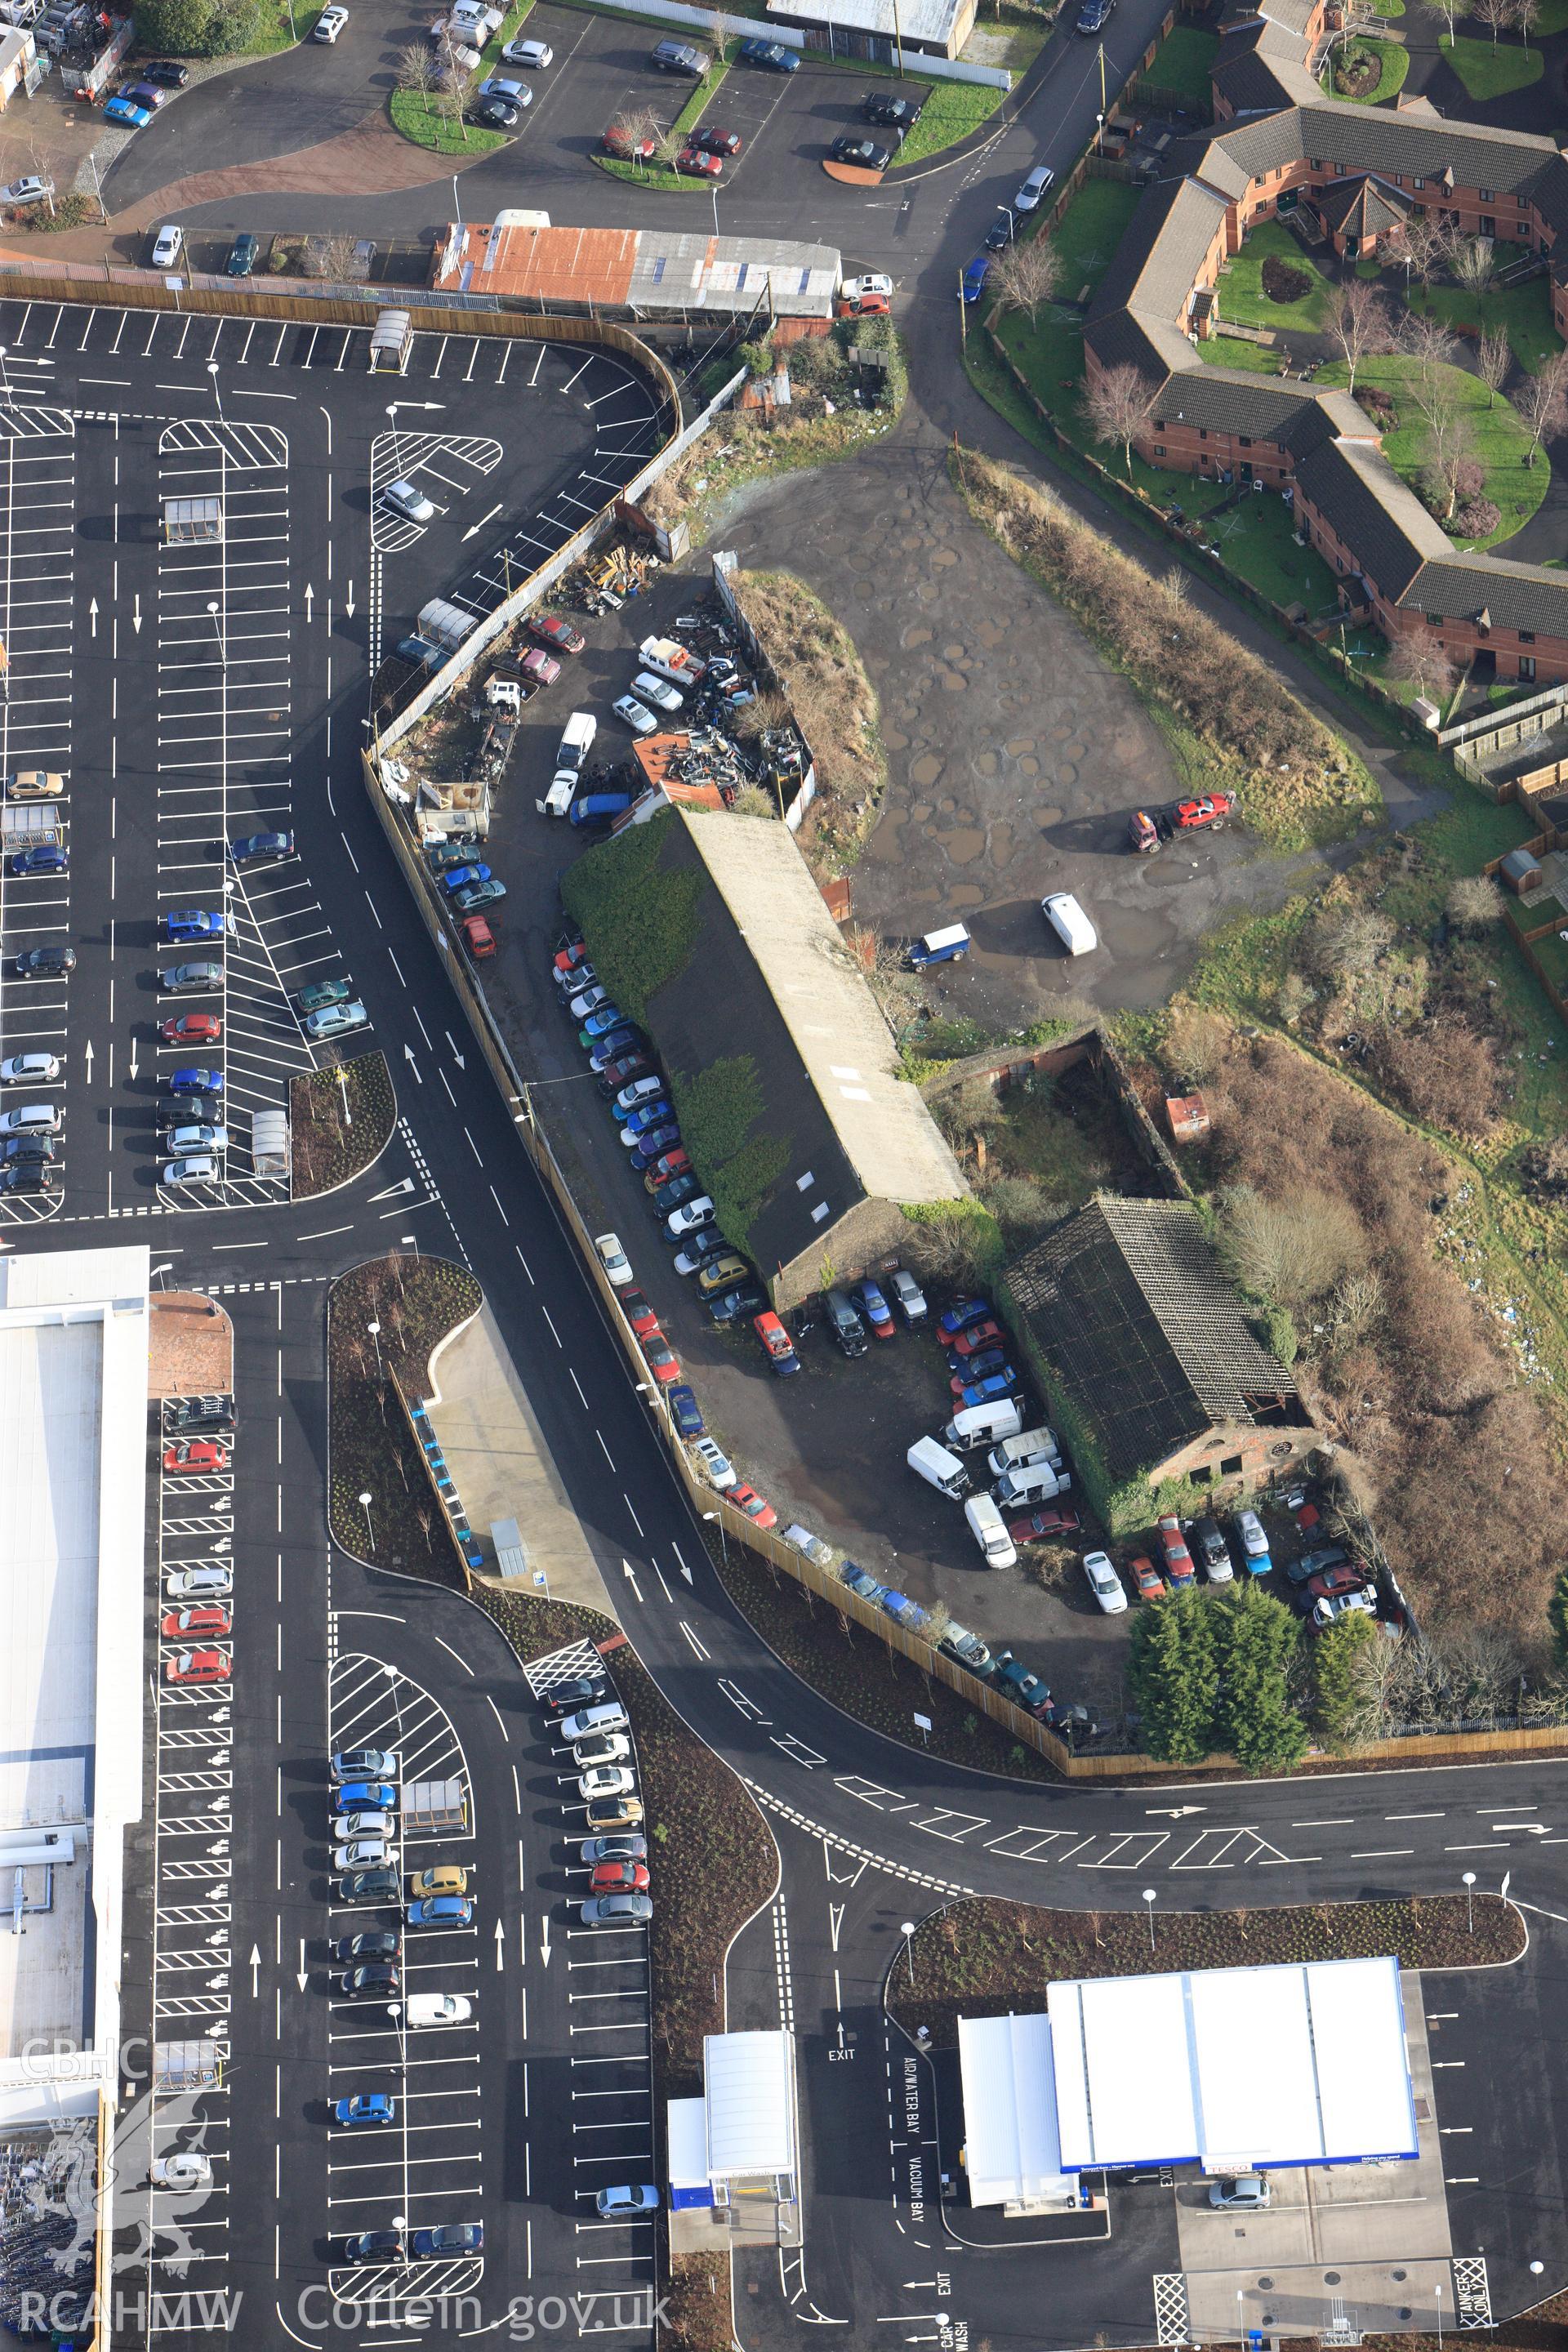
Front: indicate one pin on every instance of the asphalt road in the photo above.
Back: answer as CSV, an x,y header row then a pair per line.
x,y
895,1828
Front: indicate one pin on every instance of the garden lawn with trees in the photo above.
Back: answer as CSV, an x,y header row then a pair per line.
x,y
988,1958
428,105
1491,68
1368,72
1492,430
1272,255
1523,313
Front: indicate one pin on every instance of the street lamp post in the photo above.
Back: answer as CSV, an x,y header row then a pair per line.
x,y
907,1931
723,1540
375,1331
217,396
364,1503
1011,220
456,201
1437,2291
1149,1900
1470,1883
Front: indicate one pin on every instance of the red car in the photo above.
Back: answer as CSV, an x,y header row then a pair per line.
x,y
539,666
776,1340
747,1499
638,1313
568,959
196,1453
862,306
669,1163
478,938
1040,1526
698,166
178,1623
661,1359
978,1335
191,1029
1178,1558
1348,1577
619,1878
1147,1581
559,635
711,141
198,1667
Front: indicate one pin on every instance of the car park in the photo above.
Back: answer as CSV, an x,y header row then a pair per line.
x,y
618,140
777,1346
696,164
320,992
34,784
869,1299
680,57
198,1667
612,1258
716,1465
366,1764
194,1455
369,2246
376,1824
191,1029
360,1852
439,1911
408,500
625,1848
690,1218
187,923
771,57
46,860
649,1148
684,1410
731,1306
606,1780
191,979
373,2107
201,1168
974,1340
437,2008
577,1691
243,255
335,1020
661,1359
478,894
711,141
167,71
195,1078
642,1122
985,1390
847,1330
701,1250
898,114
35,1069
168,245
670,1184
494,114
617,1911
1243,2192
601,1747
907,1296
615,1812
371,1943
176,1623
505,86
1104,1582
721,1270
1048,1525
44,963
29,190
477,938
148,95
355,1796
1147,1581
197,1136
26,1177
185,2168
619,1878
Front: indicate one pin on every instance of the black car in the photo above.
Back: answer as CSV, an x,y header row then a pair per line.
x,y
1000,233
1094,16
897,114
379,1944
243,255
370,1886
1315,1563
582,1690
848,1331
675,1194
45,963
862,152
771,56
369,2246
26,1179
375,1976
178,1110
494,114
165,70
190,1416
27,1150
732,1304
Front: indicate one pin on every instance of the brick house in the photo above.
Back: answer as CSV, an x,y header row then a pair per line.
x,y
1364,172
1143,1347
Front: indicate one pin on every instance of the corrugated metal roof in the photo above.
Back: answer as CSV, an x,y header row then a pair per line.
x,y
913,20
749,2084
544,265
675,269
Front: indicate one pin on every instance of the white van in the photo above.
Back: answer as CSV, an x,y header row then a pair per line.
x,y
1030,1483
1030,1445
978,1424
557,801
1070,922
578,740
989,1529
931,1461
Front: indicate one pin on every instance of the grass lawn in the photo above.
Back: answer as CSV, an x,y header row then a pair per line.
x,y
1184,62
1240,289
1008,37
1230,352
1524,313
1554,18
281,29
951,111
1488,69
1091,228
1257,539
1501,441
1393,59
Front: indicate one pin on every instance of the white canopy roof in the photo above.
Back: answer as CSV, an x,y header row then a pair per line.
x,y
749,2084
1298,2064
1012,2151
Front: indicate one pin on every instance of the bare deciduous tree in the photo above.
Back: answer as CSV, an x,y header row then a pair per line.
x,y
1474,263
1473,903
1358,324
1289,1252
1426,242
1427,340
1421,661
1494,358
1118,405
1497,15
1447,440
418,70
1543,402
1446,12
1525,13
1348,942
1026,275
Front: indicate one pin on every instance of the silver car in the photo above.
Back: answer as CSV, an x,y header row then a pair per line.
x,y
617,1911
408,500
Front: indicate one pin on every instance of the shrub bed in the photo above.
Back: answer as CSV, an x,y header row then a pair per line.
x,y
1299,783
340,1118
416,1301
1283,284
985,1957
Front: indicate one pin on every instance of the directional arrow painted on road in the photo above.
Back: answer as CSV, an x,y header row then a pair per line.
x,y
544,1939
476,527
500,1947
303,1977
87,1058
404,1184
631,1578
408,1053
457,1058
834,1921
255,1971
134,1061
136,614
309,601
93,615
349,603
1176,1812
1535,1829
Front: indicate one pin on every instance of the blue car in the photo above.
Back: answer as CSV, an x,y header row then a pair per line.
x,y
861,1580
193,1079
121,110
251,845
614,1044
959,1318
684,1410
440,1911
987,1392
1093,16
41,861
977,1367
975,277
654,1144
652,1114
772,55
600,1023
194,923
366,2107
459,877
364,1796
